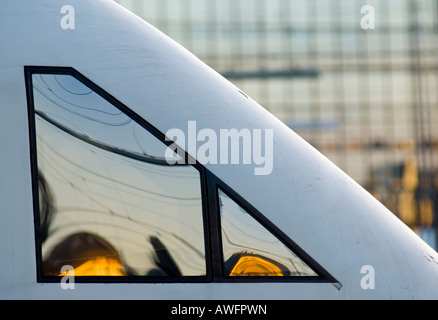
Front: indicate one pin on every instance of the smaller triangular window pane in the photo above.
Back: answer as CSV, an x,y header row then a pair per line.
x,y
249,249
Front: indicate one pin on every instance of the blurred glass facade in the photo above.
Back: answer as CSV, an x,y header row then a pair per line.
x,y
365,98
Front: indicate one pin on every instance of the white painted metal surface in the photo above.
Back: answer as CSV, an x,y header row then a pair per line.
x,y
319,207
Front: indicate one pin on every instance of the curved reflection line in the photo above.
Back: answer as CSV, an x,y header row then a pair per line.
x,y
254,249
92,198
111,212
119,112
300,273
106,147
137,140
61,231
111,180
83,115
253,232
75,93
140,194
43,93
154,170
145,170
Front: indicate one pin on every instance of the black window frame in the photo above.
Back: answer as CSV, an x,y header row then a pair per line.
x,y
210,184
214,185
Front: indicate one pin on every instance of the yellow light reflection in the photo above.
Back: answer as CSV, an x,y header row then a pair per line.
x,y
256,265
100,266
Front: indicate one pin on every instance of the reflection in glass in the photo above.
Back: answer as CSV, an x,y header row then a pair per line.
x,y
115,206
250,249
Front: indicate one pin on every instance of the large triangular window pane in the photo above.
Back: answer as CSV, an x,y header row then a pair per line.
x,y
110,203
249,249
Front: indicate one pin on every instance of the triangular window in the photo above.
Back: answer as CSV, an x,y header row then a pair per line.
x,y
249,249
111,206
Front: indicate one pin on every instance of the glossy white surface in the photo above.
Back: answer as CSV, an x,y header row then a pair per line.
x,y
327,214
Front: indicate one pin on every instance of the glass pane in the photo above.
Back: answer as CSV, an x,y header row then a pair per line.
x,y
250,249
110,204
76,108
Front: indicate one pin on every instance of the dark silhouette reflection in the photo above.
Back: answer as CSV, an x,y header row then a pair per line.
x,y
88,254
91,255
164,261
45,206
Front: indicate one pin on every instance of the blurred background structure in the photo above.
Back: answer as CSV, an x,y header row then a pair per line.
x,y
360,86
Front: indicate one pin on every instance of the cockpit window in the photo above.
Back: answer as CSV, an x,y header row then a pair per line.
x,y
112,205
109,203
250,250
